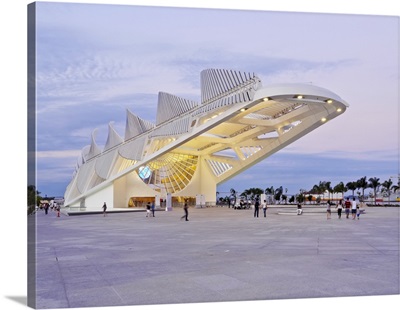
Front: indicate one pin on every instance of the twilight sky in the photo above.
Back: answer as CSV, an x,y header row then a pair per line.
x,y
94,61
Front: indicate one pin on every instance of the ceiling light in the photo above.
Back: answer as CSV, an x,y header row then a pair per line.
x,y
266,98
243,109
329,100
339,110
323,119
299,96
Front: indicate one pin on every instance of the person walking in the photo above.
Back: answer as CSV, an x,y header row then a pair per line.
x,y
46,208
328,210
185,216
339,208
58,210
264,207
358,212
104,209
347,206
353,208
148,207
299,209
152,209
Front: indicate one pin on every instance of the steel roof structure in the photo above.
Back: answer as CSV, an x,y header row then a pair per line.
x,y
194,146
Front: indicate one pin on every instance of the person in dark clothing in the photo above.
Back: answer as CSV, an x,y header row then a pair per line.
x,y
347,206
299,209
339,208
256,207
148,209
104,209
185,208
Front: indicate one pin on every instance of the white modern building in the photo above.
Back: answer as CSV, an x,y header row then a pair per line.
x,y
194,146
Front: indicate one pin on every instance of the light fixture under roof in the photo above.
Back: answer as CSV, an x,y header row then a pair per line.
x,y
243,109
323,119
328,100
266,99
339,110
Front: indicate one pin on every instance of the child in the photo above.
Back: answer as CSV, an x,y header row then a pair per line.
x,y
358,212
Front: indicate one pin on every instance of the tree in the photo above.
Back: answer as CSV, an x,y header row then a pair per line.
x,y
251,193
387,185
233,195
300,198
318,189
254,191
278,193
322,188
352,186
33,198
269,191
340,188
227,200
374,184
362,184
329,188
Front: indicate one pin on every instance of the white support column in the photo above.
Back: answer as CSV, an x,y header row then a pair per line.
x,y
168,205
157,202
200,201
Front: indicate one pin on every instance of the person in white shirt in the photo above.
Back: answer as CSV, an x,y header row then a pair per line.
x,y
264,207
354,208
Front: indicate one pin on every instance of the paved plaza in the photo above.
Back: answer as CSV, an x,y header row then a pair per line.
x,y
220,254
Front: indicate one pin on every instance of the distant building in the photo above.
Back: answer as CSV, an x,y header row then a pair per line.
x,y
194,146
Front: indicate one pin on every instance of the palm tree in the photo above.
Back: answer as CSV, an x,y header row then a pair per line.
x,y
340,188
374,183
319,189
322,187
269,191
329,188
362,184
278,193
233,195
387,185
352,186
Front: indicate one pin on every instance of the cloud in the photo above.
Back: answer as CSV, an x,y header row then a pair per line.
x,y
58,154
89,73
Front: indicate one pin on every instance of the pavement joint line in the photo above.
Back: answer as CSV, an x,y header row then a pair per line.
x,y
264,254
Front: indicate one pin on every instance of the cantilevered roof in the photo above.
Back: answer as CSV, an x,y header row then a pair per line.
x,y
237,124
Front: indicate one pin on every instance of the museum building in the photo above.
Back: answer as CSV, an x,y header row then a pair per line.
x,y
195,146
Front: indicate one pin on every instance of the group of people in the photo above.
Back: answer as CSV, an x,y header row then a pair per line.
x,y
349,206
54,206
150,210
257,207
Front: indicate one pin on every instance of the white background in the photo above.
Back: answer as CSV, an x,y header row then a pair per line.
x,y
13,246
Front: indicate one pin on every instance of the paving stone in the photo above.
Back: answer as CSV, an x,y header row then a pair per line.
x,y
221,254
